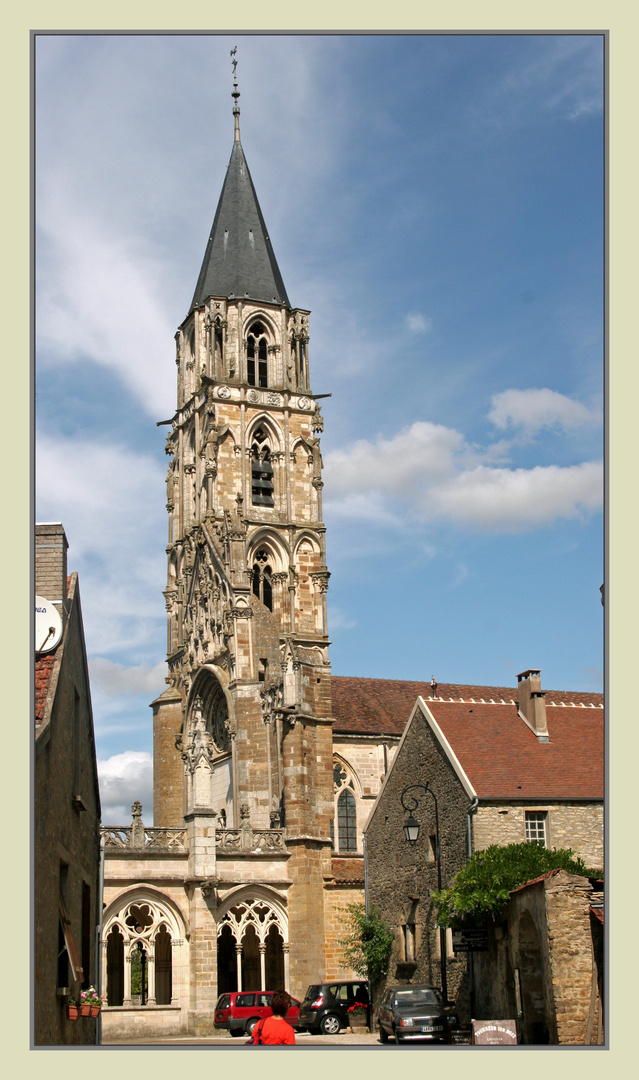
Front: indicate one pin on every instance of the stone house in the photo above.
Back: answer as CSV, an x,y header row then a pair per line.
x,y
503,767
67,806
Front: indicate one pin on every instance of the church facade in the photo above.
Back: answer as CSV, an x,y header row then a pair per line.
x,y
238,885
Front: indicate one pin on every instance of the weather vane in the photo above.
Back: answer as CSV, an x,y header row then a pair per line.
x,y
235,95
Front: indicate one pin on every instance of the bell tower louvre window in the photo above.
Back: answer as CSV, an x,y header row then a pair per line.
x,y
256,344
261,471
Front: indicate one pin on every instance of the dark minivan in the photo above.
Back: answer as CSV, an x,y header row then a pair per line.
x,y
326,1005
240,1011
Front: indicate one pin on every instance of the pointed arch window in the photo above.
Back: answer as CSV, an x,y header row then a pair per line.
x,y
346,808
261,470
256,356
262,579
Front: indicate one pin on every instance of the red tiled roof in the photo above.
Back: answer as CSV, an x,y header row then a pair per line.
x,y
348,871
500,755
598,913
535,880
43,669
504,759
383,706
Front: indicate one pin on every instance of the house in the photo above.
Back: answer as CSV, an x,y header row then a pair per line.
x,y
66,822
501,767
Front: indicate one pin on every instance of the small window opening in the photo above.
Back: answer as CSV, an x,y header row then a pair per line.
x,y
262,673
262,584
536,827
256,343
261,471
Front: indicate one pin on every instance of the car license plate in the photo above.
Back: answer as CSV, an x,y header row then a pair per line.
x,y
430,1027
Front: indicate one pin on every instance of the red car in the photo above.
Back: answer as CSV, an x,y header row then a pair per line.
x,y
240,1010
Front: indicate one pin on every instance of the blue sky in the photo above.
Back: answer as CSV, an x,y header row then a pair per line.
x,y
437,202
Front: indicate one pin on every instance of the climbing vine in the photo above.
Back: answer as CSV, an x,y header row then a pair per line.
x,y
482,887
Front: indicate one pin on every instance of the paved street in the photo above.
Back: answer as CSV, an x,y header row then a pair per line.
x,y
229,1043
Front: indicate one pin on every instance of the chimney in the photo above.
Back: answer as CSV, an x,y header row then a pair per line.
x,y
532,703
51,564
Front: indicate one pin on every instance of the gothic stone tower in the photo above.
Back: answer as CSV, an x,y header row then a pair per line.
x,y
242,735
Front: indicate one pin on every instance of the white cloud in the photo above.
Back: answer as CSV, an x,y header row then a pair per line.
x,y
123,779
418,324
112,679
111,503
535,410
428,472
515,500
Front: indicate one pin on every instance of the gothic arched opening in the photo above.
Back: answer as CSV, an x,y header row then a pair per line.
x,y
274,960
226,962
256,352
115,967
214,709
163,967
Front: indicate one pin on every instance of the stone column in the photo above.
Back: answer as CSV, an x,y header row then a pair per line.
x,y
150,969
127,979
238,960
286,965
262,948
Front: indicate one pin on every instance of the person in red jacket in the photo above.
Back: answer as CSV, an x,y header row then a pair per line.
x,y
274,1030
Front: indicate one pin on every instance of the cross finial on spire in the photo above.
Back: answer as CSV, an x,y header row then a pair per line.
x,y
235,95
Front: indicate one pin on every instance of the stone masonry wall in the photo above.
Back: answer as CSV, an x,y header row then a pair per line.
x,y
403,876
569,825
337,900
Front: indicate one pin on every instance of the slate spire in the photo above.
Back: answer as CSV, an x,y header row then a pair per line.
x,y
239,260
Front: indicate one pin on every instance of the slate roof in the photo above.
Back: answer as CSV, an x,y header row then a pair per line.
x,y
239,260
501,757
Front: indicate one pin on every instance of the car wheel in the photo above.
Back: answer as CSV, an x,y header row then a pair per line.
x,y
383,1034
250,1024
330,1025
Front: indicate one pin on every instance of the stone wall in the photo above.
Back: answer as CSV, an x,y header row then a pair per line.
x,y
543,944
66,840
403,876
337,900
578,826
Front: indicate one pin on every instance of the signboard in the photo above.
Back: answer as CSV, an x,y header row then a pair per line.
x,y
494,1032
461,1036
470,940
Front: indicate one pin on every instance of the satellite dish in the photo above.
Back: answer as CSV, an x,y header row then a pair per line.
x,y
48,625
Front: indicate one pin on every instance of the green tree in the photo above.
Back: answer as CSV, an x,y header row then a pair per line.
x,y
482,887
367,946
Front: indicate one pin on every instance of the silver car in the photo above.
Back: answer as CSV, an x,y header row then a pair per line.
x,y
415,1012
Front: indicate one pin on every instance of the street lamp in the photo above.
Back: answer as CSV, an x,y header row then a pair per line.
x,y
411,832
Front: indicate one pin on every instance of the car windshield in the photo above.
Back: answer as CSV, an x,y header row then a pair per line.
x,y
415,996
223,1003
312,992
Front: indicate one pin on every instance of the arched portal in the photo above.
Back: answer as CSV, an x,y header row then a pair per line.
x,y
533,999
252,952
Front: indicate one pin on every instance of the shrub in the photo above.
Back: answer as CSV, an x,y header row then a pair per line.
x,y
367,947
482,887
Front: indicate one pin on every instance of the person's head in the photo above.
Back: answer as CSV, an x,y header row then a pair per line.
x,y
280,1003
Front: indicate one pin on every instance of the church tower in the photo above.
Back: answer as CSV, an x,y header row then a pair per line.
x,y
243,754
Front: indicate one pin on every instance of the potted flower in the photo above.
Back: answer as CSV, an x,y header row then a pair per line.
x,y
84,1004
95,1000
358,1014
72,1009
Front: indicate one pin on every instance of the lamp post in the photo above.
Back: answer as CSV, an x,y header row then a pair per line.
x,y
411,831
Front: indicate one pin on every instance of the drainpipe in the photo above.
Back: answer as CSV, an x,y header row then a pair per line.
x,y
471,810
98,944
471,971
365,875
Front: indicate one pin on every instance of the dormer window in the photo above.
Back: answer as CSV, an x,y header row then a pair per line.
x,y
256,362
261,471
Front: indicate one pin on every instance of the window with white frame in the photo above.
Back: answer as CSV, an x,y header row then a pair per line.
x,y
536,827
